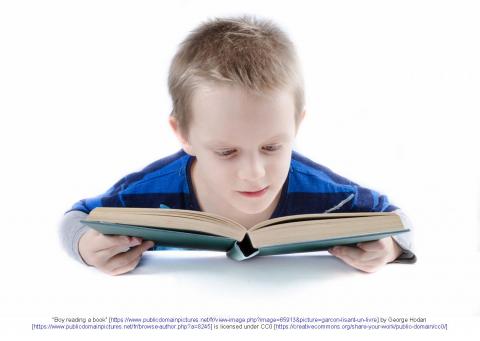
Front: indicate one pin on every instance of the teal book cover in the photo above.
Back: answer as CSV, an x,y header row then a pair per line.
x,y
236,249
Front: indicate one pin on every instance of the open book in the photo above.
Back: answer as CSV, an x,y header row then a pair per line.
x,y
206,231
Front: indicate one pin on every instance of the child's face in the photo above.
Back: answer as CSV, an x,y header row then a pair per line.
x,y
243,143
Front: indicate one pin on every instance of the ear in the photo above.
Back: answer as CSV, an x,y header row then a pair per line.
x,y
182,139
302,115
300,120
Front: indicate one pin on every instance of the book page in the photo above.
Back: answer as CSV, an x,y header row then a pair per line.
x,y
315,216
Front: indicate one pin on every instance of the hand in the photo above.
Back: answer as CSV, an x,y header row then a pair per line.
x,y
368,256
113,255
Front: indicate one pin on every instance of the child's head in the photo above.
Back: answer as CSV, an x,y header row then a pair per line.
x,y
238,100
246,52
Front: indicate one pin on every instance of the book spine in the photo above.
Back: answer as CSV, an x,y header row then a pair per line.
x,y
242,250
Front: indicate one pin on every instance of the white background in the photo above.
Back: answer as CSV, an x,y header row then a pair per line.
x,y
392,93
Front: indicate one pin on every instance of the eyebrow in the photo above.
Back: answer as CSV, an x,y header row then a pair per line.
x,y
219,142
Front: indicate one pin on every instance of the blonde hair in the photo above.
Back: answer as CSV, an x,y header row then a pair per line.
x,y
246,51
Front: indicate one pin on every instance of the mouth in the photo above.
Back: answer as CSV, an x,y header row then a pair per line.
x,y
253,194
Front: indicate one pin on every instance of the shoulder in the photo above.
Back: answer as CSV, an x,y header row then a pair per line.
x,y
164,175
309,175
161,182
315,182
314,188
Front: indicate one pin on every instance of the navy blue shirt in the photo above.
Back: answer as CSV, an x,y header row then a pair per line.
x,y
309,188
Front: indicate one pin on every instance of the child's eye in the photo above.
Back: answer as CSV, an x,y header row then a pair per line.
x,y
229,152
225,153
273,148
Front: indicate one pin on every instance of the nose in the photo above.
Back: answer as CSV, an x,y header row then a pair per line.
x,y
251,169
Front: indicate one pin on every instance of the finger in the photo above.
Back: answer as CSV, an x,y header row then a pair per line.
x,y
372,265
106,254
117,241
346,254
126,268
124,243
377,245
359,259
349,252
126,258
354,256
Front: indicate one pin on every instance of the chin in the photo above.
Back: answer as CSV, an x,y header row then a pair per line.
x,y
254,205
253,208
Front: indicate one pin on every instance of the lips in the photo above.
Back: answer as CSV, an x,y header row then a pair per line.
x,y
254,191
255,194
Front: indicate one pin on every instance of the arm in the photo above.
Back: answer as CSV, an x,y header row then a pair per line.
x,y
70,231
111,254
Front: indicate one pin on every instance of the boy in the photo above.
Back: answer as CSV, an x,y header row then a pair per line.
x,y
238,101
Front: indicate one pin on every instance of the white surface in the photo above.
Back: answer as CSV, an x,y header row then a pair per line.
x,y
443,289
392,103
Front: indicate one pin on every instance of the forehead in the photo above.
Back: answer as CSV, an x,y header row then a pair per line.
x,y
223,112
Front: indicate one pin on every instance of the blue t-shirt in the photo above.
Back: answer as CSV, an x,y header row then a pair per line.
x,y
309,188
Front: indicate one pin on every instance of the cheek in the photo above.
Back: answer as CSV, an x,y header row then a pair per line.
x,y
277,170
219,171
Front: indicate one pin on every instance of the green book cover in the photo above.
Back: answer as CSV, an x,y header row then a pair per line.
x,y
165,237
237,250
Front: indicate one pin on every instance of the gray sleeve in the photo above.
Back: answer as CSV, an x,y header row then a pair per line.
x,y
70,231
405,240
